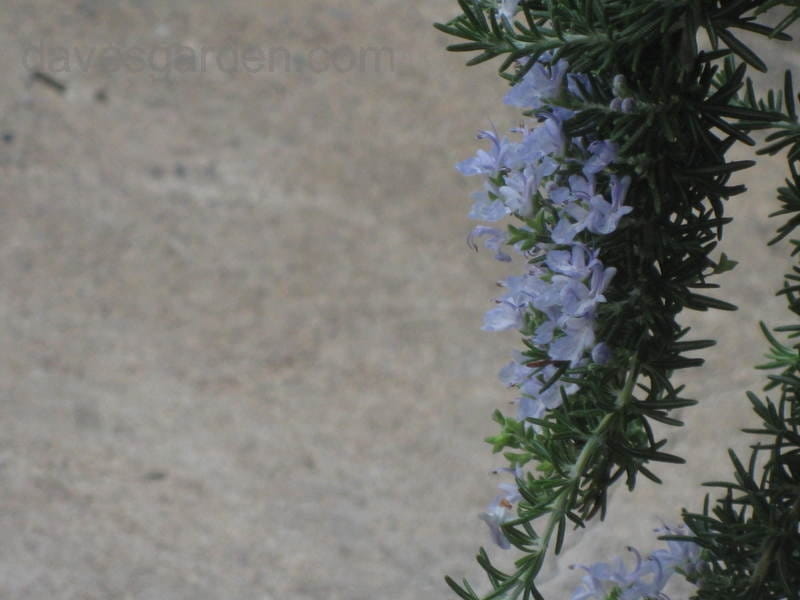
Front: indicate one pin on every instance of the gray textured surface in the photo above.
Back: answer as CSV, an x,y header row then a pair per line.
x,y
242,356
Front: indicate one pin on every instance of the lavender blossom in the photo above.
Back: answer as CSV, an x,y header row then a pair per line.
x,y
602,579
551,397
517,193
487,208
515,372
584,209
542,82
679,555
648,577
529,407
561,186
545,331
488,163
548,139
576,263
603,154
577,339
495,239
497,513
605,216
501,509
531,381
503,317
567,193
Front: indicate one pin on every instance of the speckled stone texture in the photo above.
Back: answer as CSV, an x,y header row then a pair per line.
x,y
241,355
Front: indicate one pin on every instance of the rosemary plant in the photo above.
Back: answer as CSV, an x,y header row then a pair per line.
x,y
617,184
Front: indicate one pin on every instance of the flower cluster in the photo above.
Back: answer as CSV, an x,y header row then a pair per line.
x,y
564,191
648,577
501,509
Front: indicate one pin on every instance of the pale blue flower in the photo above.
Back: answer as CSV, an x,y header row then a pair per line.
x,y
605,216
495,239
575,214
547,139
578,337
566,229
494,516
576,263
602,579
529,289
517,193
582,186
678,554
548,296
488,163
501,509
515,372
603,153
530,407
544,333
522,185
565,281
534,401
542,82
577,300
648,577
503,317
487,208
580,301
558,194
601,279
551,397
583,209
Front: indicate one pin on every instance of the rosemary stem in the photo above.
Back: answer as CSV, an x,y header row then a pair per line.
x,y
582,465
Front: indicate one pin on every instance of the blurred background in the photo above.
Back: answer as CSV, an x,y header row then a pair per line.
x,y
242,355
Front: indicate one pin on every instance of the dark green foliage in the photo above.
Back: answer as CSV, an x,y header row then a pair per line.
x,y
690,108
752,535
